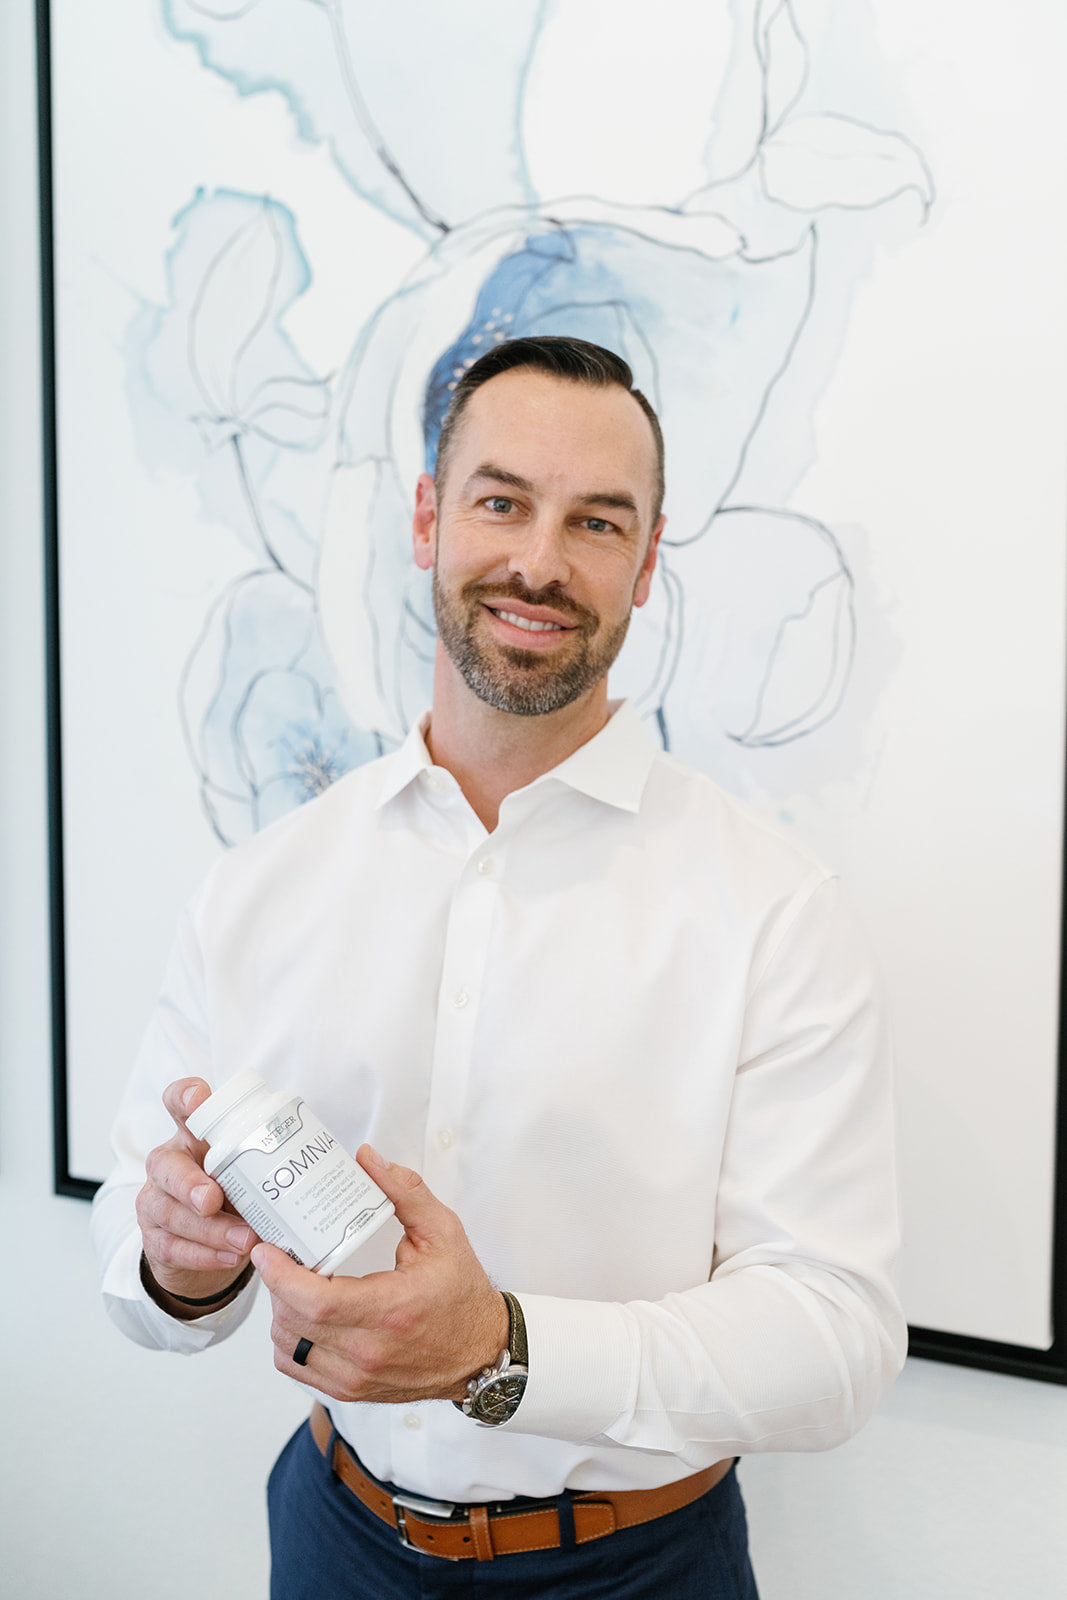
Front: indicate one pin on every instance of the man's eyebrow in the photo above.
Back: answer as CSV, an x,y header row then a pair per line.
x,y
494,474
617,500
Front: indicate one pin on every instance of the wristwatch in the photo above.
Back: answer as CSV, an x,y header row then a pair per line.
x,y
493,1395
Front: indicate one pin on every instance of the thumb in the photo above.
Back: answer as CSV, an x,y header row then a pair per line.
x,y
181,1099
423,1217
283,1276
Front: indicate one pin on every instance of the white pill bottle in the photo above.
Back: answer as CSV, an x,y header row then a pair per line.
x,y
285,1174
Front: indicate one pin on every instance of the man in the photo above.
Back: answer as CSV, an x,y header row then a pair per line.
x,y
620,1034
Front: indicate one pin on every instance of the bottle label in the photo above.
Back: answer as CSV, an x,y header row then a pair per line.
x,y
300,1189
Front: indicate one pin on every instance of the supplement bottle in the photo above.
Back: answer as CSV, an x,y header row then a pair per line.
x,y
285,1174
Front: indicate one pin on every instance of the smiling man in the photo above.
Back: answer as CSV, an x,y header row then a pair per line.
x,y
623,1037
560,542
542,526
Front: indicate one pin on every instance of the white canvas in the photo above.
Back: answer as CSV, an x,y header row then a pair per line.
x,y
829,239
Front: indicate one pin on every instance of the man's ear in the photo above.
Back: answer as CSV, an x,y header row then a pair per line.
x,y
648,566
424,523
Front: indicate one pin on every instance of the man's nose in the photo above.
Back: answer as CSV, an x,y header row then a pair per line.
x,y
541,557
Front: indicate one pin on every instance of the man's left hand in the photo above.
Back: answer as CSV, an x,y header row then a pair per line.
x,y
418,1333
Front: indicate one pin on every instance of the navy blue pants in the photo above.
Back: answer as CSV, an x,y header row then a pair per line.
x,y
325,1545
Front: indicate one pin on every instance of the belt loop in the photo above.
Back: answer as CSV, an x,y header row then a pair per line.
x,y
483,1538
565,1511
330,1451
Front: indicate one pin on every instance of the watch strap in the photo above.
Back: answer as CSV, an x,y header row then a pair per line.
x,y
514,1356
517,1347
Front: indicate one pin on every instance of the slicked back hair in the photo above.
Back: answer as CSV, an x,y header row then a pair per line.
x,y
575,360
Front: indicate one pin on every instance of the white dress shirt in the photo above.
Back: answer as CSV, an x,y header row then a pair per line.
x,y
631,1037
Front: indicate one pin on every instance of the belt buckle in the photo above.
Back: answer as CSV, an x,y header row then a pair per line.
x,y
402,1503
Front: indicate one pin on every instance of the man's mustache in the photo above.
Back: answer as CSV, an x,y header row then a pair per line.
x,y
486,593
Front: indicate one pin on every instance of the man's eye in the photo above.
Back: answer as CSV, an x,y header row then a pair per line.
x,y
598,525
500,504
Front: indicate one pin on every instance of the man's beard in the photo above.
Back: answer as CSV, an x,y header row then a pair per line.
x,y
528,683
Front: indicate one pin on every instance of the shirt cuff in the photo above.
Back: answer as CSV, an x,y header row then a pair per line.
x,y
137,1314
583,1359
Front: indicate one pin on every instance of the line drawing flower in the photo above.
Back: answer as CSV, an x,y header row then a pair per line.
x,y
321,654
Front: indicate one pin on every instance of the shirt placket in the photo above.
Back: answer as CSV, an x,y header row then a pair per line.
x,y
466,952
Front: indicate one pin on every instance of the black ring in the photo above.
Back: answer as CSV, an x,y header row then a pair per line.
x,y
302,1351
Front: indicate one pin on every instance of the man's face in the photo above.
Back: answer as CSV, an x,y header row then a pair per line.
x,y
542,540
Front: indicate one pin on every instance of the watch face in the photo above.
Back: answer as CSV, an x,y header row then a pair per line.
x,y
499,1398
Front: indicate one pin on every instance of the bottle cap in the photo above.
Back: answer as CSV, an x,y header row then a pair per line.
x,y
217,1105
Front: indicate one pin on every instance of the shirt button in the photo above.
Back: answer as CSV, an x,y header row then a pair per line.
x,y
445,1136
412,1422
460,999
485,866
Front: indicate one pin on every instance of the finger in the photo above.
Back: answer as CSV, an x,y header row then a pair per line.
x,y
362,1371
181,1176
288,1327
304,1301
424,1218
176,1237
178,1200
160,1212
355,1371
335,1376
308,1297
170,1250
181,1099
321,1371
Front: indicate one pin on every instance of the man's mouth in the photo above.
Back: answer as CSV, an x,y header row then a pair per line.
x,y
528,623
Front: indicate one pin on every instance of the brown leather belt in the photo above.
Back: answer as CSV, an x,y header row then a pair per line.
x,y
458,1532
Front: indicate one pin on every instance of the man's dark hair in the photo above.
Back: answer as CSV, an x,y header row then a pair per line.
x,y
576,360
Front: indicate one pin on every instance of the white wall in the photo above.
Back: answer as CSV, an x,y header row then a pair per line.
x,y
119,1466
125,1473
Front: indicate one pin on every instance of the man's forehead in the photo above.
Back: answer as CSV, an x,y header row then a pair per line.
x,y
529,390
537,423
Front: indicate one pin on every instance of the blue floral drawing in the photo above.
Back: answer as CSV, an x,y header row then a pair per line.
x,y
268,731
320,655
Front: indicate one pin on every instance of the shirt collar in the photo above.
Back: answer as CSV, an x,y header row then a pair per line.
x,y
612,767
405,764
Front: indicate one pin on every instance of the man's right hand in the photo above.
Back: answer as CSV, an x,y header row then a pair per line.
x,y
194,1244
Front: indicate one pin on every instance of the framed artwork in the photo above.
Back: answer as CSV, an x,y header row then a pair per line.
x,y
277,232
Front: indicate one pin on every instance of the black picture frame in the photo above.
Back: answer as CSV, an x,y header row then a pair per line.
x,y
66,1183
